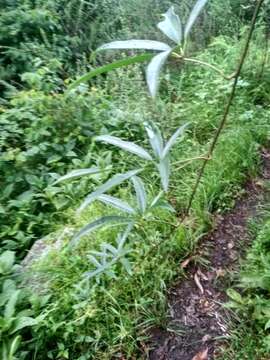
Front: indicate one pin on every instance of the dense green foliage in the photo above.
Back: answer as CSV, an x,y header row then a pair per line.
x,y
47,132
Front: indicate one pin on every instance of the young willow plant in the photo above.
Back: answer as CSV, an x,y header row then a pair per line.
x,y
173,28
160,149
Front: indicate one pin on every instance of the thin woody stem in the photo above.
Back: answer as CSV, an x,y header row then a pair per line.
x,y
228,106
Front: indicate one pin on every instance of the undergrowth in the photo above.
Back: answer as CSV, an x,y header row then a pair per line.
x,y
110,316
46,133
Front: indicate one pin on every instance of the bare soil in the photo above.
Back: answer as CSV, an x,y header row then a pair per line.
x,y
199,323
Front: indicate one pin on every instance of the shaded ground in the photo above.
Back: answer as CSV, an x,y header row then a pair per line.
x,y
198,321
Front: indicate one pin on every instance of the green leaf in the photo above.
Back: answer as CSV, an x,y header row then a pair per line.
x,y
78,173
116,203
193,15
164,171
109,67
153,71
171,26
172,140
114,181
155,138
14,346
163,204
125,145
23,322
11,304
140,193
267,325
156,199
234,295
7,260
136,44
103,221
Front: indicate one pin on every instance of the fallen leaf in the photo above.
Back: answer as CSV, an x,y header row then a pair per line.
x,y
185,263
197,281
202,355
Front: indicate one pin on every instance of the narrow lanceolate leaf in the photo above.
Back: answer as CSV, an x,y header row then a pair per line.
x,y
164,171
155,139
116,203
109,67
125,145
114,181
153,71
78,173
163,204
122,237
136,44
156,199
173,139
140,193
195,12
171,26
103,221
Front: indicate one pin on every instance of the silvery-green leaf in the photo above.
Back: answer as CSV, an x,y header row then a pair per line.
x,y
126,264
140,193
114,181
125,145
111,249
171,26
93,260
136,44
164,171
77,173
173,139
153,71
156,199
193,15
122,237
103,221
116,203
163,204
155,139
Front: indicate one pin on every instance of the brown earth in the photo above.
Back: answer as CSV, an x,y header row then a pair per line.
x,y
198,322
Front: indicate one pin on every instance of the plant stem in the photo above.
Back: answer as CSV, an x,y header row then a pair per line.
x,y
199,62
228,106
203,63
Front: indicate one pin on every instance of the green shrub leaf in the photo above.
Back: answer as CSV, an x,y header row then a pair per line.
x,y
109,67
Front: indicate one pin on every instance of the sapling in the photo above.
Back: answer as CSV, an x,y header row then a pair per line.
x,y
175,30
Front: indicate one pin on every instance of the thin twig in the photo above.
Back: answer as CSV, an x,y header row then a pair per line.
x,y
228,106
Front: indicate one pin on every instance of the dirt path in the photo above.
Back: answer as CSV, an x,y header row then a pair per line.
x,y
197,316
